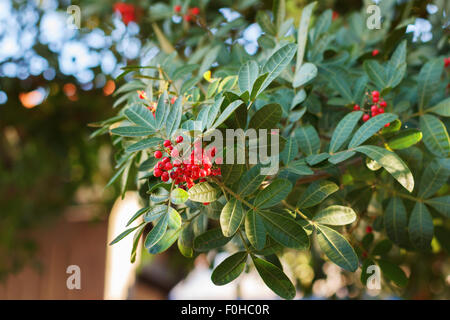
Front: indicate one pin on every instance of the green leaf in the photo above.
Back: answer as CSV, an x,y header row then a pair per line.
x,y
420,227
396,221
174,117
317,158
255,230
316,193
210,239
138,213
161,110
435,135
290,150
306,73
136,238
202,192
405,139
132,131
434,176
442,108
441,204
274,278
257,86
277,63
341,156
308,139
157,232
179,196
248,74
232,172
337,248
250,182
299,167
229,269
382,247
124,234
364,274
393,272
267,117
428,81
335,216
376,73
273,194
264,21
231,217
166,241
392,163
302,34
284,230
343,130
227,112
299,97
155,212
340,84
322,24
141,116
371,127
144,144
174,219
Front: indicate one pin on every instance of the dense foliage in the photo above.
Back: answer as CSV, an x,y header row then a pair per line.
x,y
362,115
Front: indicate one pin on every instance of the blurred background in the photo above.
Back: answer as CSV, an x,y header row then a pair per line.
x,y
54,209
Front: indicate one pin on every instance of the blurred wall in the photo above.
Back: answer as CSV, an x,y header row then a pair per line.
x,y
62,244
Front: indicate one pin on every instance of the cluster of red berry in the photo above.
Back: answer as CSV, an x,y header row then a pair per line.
x,y
377,107
185,173
126,10
447,62
191,14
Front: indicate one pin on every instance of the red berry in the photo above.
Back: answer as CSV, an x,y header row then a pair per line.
x,y
161,165
383,104
177,8
187,17
387,125
176,163
356,107
375,94
168,166
375,52
173,175
375,99
374,108
157,172
195,11
158,154
172,101
165,176
205,203
165,160
179,139
369,229
446,62
167,143
213,151
366,117
380,110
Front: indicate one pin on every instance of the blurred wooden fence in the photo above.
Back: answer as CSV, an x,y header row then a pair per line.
x,y
62,244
